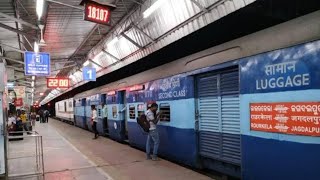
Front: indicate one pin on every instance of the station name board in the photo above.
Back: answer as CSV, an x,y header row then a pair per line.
x,y
58,82
97,13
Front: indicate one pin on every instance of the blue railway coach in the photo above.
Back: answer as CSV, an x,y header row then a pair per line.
x,y
206,118
79,113
97,101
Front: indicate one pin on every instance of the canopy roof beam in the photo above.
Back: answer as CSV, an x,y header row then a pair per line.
x,y
19,21
17,31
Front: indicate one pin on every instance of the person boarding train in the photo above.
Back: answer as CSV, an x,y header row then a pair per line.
x,y
153,134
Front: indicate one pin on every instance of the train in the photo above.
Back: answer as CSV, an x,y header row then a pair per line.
x,y
65,110
206,98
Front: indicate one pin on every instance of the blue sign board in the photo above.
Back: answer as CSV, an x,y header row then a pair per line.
x,y
171,88
36,64
294,68
89,74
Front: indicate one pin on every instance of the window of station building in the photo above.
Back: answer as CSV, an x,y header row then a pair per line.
x,y
70,104
65,106
132,112
165,112
141,109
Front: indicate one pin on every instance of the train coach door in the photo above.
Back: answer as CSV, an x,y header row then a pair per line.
x,y
219,116
124,112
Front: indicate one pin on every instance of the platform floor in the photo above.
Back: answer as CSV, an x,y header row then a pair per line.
x,y
71,153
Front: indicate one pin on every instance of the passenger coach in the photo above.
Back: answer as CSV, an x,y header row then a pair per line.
x,y
208,100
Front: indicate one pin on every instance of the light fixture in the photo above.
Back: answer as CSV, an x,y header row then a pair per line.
x,y
39,8
33,78
36,47
32,84
41,94
86,63
32,90
152,8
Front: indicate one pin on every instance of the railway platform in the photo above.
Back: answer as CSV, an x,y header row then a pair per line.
x,y
71,153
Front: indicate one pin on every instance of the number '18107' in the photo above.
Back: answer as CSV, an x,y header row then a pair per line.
x,y
97,13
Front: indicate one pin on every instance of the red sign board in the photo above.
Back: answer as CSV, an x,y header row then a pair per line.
x,y
58,82
96,12
18,102
301,118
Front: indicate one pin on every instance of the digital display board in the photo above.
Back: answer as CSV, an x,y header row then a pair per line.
x,y
58,82
97,13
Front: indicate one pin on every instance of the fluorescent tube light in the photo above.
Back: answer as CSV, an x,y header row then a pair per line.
x,y
36,47
39,8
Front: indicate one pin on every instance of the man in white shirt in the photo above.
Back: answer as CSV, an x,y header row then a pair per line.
x,y
94,121
153,134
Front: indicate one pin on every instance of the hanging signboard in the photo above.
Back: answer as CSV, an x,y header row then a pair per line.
x,y
58,83
89,74
36,64
98,13
20,91
18,102
300,118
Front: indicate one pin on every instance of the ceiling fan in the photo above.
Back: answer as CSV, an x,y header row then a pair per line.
x,y
42,42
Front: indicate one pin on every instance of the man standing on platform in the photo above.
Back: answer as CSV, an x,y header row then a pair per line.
x,y
23,118
94,121
46,116
40,112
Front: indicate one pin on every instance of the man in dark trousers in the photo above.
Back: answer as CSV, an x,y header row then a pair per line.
x,y
40,112
94,121
46,116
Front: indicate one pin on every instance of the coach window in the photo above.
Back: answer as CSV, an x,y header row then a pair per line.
x,y
132,112
165,110
140,109
113,99
114,111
